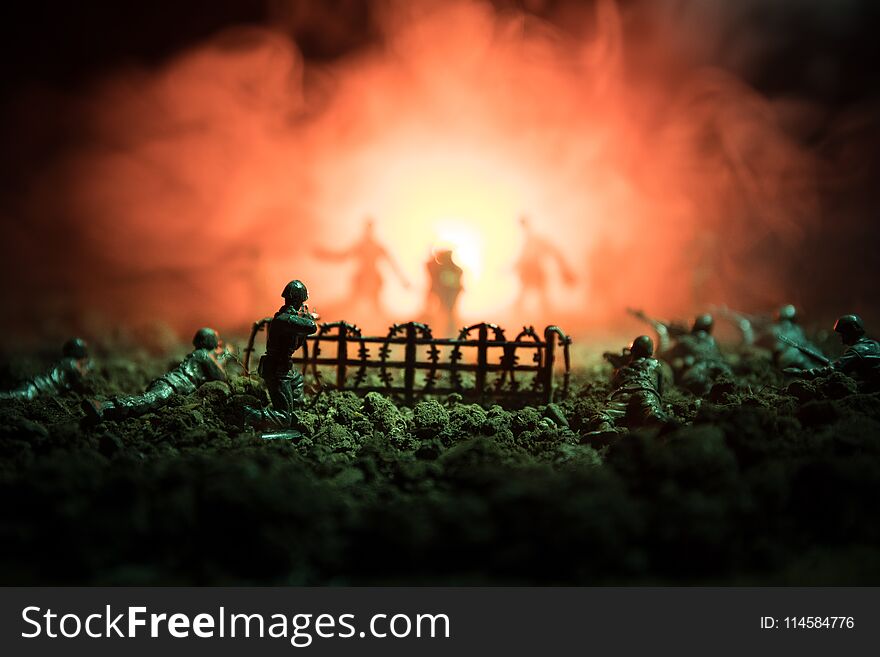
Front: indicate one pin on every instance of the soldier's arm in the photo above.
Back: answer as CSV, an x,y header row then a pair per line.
x,y
201,366
811,373
392,263
334,254
851,359
846,363
617,360
304,323
215,367
661,328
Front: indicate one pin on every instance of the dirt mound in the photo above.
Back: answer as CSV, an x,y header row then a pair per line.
x,y
763,482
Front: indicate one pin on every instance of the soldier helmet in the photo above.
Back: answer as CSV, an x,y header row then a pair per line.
x,y
295,293
850,328
75,348
642,347
206,338
703,322
787,313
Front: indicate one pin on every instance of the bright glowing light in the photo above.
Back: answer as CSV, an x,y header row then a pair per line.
x,y
434,195
465,243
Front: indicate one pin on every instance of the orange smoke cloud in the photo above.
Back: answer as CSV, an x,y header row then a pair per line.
x,y
209,183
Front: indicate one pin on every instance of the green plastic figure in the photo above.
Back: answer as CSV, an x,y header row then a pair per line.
x,y
206,362
860,360
287,332
636,398
68,374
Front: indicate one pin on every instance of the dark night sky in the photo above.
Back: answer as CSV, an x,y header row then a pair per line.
x,y
823,52
64,44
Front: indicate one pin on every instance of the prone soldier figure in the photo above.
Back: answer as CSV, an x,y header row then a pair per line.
x,y
778,336
695,358
286,332
860,360
637,386
206,362
68,374
784,332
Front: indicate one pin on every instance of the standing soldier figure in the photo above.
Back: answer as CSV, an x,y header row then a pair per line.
x,y
68,374
367,281
445,287
860,360
536,252
286,332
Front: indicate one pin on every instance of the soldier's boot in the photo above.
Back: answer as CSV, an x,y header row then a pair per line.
x,y
96,410
274,424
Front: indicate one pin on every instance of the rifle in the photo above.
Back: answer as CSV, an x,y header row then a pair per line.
x,y
256,328
812,353
664,330
745,323
617,360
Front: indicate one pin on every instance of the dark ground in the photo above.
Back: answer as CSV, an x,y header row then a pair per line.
x,y
768,485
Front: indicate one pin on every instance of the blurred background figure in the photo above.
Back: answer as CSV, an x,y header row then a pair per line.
x,y
365,291
443,292
532,271
68,374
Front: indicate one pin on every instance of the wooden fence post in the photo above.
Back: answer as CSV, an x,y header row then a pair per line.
x,y
409,376
482,362
549,357
341,357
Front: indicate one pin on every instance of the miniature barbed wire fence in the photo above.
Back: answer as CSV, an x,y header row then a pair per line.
x,y
432,375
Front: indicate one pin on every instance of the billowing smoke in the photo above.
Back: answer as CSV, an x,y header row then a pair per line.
x,y
196,190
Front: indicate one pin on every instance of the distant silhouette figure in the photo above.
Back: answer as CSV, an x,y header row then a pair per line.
x,y
445,288
367,280
530,267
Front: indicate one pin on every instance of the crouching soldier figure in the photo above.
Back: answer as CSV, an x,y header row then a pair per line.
x,y
636,398
206,362
68,374
695,358
286,332
860,360
778,335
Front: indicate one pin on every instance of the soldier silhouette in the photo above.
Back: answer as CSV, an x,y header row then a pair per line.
x,y
444,289
367,280
532,271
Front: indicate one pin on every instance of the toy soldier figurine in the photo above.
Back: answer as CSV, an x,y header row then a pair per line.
x,y
286,332
860,360
695,358
445,277
537,251
68,374
637,386
782,335
367,280
205,363
779,337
